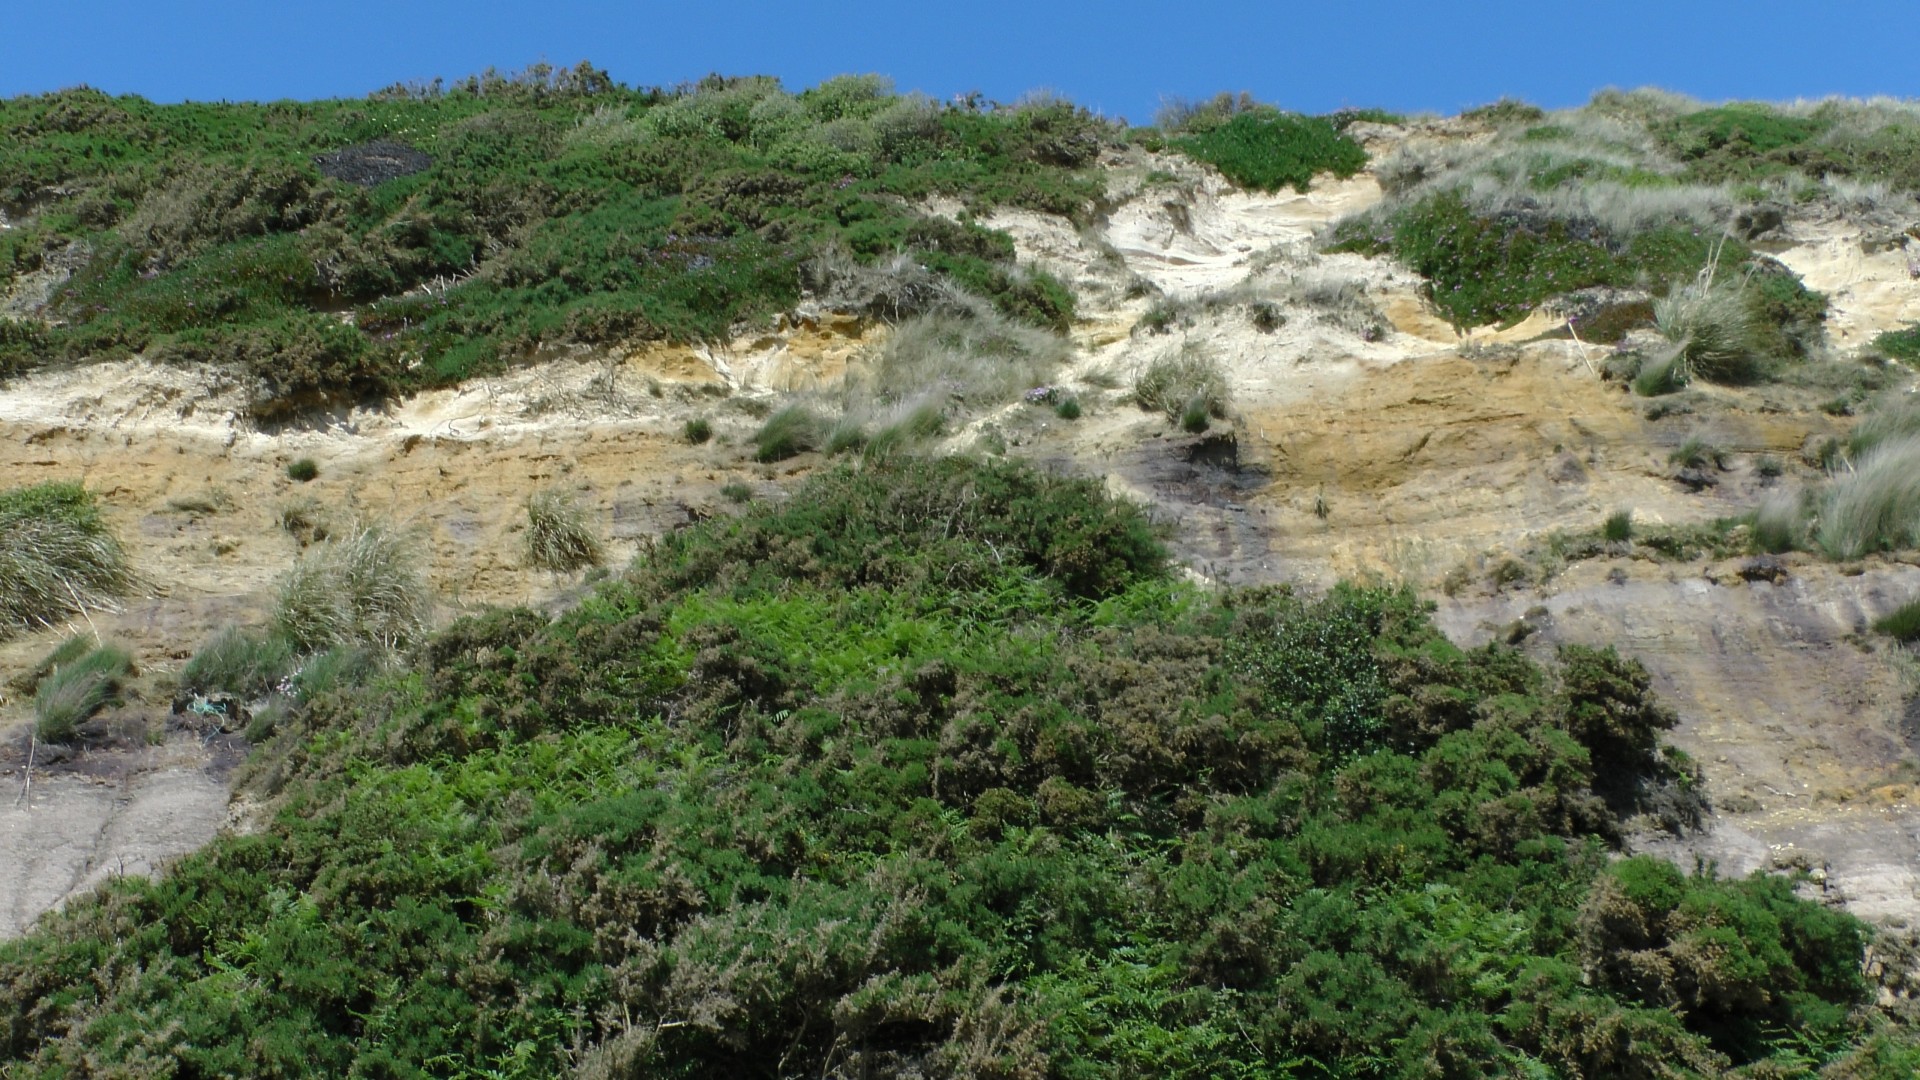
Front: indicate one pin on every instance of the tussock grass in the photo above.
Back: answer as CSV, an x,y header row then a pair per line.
x,y
74,691
1712,329
970,357
1875,507
241,662
1618,528
57,557
558,535
792,431
1184,384
365,586
1902,623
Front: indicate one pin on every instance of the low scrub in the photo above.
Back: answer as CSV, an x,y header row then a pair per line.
x,y
58,558
365,586
559,537
71,693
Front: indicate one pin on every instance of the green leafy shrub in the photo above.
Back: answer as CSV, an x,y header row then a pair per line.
x,y
302,470
1267,150
697,430
71,693
57,556
1068,408
559,538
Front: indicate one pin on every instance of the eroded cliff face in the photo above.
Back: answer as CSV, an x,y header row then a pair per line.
x,y
1369,439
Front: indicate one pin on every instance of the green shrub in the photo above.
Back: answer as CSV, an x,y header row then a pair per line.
x,y
73,692
1267,150
697,430
792,431
245,663
1067,408
57,557
736,492
1902,345
362,587
1184,384
559,539
302,470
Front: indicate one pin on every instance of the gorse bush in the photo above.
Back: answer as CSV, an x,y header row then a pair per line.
x,y
936,768
559,537
57,557
1266,150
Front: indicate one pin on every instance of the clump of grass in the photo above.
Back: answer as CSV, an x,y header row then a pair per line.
x,y
73,692
342,665
1659,376
697,430
1902,623
241,662
1186,386
362,587
1696,453
558,536
792,431
303,470
1712,329
910,425
1618,528
305,521
1876,507
1067,408
970,358
57,557
1779,524
737,492
70,649
847,434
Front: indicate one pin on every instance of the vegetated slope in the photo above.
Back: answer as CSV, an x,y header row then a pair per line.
x,y
337,249
937,769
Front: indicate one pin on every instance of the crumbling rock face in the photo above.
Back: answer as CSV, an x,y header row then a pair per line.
x,y
372,164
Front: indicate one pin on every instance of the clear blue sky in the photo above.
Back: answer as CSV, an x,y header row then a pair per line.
x,y
1119,57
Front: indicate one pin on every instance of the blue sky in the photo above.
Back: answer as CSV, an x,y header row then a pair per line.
x,y
1120,57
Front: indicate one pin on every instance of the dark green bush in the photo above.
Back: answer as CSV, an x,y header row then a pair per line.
x,y
302,470
1267,150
